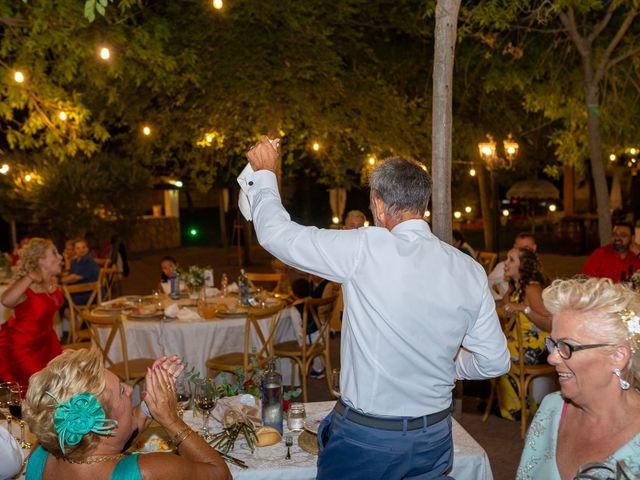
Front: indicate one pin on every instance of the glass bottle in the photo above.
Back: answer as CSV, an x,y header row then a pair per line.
x,y
243,287
224,283
272,398
174,281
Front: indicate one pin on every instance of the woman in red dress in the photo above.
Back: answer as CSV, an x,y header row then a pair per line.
x,y
27,340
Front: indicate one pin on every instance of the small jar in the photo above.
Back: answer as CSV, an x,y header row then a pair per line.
x,y
295,421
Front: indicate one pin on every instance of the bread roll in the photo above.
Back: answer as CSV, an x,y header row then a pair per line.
x,y
267,436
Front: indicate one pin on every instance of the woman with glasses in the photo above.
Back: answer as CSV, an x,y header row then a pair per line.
x,y
591,428
524,299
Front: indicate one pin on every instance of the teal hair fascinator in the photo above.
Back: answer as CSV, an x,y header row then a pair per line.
x,y
78,416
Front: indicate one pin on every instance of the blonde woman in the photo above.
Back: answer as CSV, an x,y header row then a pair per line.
x,y
27,340
591,428
83,418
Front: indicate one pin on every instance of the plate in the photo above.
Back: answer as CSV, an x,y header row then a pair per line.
x,y
144,316
153,440
308,442
232,313
312,422
115,306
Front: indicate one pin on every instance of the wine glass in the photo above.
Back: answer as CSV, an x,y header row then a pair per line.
x,y
224,283
205,398
17,393
5,397
183,394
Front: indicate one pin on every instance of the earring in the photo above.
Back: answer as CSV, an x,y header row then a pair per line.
x,y
624,385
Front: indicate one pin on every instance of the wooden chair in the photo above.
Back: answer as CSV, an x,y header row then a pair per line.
x,y
271,279
487,260
302,356
335,322
76,346
521,373
228,362
75,311
107,279
128,370
103,262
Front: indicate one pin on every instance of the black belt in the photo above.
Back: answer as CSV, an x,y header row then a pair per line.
x,y
393,423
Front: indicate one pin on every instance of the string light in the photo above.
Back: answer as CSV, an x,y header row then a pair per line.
x,y
18,76
316,146
105,53
178,183
27,177
633,151
4,169
505,213
467,209
209,138
335,220
472,172
612,157
62,116
427,214
552,208
372,161
217,4
146,130
457,215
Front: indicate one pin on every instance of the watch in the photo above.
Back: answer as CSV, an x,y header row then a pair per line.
x,y
527,310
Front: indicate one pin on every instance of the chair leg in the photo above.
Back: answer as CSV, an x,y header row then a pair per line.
x,y
303,377
523,407
328,372
492,397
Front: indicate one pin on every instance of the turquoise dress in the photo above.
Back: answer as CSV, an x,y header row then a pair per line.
x,y
538,459
126,469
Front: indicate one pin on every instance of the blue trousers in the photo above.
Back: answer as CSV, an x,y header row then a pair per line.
x,y
352,451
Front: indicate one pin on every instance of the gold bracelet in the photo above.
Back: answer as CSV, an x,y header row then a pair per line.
x,y
180,436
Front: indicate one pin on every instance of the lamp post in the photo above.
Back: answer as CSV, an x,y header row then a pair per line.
x,y
492,161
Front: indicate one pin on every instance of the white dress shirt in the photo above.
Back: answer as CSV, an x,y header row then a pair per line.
x,y
497,280
10,455
410,301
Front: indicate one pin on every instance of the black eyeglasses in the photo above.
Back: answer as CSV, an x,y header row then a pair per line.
x,y
565,350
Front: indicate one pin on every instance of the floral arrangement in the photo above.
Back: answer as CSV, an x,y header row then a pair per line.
x,y
193,277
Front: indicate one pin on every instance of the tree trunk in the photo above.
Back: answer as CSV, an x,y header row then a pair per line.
x,y
222,218
443,58
569,189
595,152
486,196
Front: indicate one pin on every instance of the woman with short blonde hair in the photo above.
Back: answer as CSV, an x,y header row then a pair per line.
x,y
83,418
591,428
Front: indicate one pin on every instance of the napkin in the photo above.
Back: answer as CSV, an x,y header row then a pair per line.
x,y
243,199
239,407
233,288
211,292
171,310
188,315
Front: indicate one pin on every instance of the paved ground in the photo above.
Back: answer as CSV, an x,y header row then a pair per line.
x,y
499,437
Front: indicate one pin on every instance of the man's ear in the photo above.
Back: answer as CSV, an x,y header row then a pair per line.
x,y
380,210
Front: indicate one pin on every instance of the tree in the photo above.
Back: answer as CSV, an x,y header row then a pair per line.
x,y
574,68
445,40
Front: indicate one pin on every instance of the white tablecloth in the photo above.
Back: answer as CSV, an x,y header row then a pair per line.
x,y
195,341
470,461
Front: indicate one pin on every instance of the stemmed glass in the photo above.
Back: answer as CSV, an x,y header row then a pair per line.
x,y
206,397
16,395
183,394
5,399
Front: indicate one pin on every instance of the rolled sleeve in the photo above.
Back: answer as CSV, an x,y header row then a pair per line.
x,y
485,353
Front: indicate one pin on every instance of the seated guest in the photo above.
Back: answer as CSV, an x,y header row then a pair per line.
x,y
461,244
591,428
83,269
354,219
15,255
168,269
27,340
523,298
497,283
83,418
615,260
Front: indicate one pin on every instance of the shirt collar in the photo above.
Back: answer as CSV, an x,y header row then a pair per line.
x,y
416,225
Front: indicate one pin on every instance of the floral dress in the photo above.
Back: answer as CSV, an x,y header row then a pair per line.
x,y
534,354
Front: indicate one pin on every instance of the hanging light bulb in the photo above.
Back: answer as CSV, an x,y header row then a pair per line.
x,y
62,116
472,172
217,4
146,130
105,53
316,146
18,76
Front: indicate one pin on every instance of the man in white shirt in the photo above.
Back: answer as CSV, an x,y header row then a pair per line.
x,y
497,282
411,302
10,455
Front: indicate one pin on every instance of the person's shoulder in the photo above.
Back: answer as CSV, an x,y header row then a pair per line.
x,y
552,402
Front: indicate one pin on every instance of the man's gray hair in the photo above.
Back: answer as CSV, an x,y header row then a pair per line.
x,y
403,185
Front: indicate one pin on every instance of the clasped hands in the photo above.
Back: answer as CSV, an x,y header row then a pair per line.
x,y
264,154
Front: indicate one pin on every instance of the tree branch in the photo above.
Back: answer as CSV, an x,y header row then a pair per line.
x,y
13,22
604,60
629,53
600,26
569,22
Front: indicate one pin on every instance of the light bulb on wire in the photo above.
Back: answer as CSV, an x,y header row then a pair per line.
x,y
217,4
105,53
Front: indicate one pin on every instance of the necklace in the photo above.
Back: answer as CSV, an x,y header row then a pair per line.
x,y
95,459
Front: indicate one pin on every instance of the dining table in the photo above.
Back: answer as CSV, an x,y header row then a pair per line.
x,y
470,461
194,338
